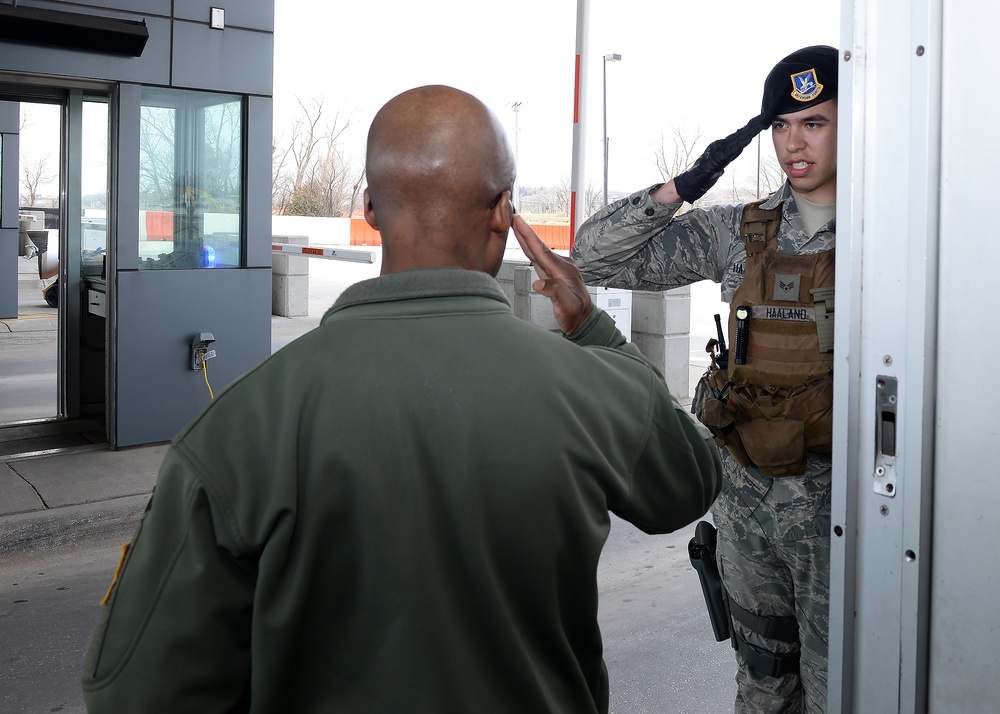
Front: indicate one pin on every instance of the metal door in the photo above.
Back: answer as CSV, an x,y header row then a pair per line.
x,y
916,487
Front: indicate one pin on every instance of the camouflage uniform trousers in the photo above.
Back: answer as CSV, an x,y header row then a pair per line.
x,y
774,557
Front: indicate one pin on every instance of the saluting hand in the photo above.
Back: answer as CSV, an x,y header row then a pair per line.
x,y
560,279
697,180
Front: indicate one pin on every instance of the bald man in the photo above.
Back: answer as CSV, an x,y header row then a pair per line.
x,y
403,510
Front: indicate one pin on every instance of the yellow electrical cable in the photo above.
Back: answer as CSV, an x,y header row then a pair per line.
x,y
204,368
118,574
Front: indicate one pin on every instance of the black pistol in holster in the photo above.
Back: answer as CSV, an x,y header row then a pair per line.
x,y
701,550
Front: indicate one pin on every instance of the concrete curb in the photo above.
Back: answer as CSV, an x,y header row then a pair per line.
x,y
38,532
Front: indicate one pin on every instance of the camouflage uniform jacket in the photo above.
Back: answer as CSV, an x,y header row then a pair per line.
x,y
637,243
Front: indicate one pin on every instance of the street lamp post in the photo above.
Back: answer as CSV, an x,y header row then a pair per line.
x,y
517,133
607,58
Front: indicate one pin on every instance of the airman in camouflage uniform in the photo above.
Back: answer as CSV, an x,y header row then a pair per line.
x,y
773,533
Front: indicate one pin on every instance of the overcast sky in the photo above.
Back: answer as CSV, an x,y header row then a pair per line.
x,y
694,66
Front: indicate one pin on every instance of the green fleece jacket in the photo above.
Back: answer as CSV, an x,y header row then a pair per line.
x,y
401,511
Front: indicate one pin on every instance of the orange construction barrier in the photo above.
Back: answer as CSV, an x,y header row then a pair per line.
x,y
555,236
159,225
364,234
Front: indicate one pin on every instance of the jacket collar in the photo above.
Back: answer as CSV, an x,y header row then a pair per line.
x,y
420,283
778,197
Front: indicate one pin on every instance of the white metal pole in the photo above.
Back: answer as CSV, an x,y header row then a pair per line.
x,y
579,113
517,138
758,166
604,105
610,57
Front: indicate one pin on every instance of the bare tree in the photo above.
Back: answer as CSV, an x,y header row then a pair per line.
x,y
770,175
35,172
34,175
156,165
281,184
310,174
593,199
546,200
224,155
766,180
556,200
356,192
675,159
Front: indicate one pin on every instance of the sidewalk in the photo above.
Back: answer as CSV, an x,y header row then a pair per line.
x,y
89,494
72,498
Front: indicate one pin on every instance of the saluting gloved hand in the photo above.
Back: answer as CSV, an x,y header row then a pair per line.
x,y
695,182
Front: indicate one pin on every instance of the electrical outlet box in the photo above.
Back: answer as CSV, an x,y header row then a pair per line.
x,y
218,18
200,352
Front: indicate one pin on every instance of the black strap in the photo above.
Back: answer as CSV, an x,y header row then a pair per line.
x,y
772,627
764,663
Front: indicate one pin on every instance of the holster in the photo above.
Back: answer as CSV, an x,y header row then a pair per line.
x,y
701,550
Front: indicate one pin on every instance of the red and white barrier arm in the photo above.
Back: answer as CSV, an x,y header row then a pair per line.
x,y
578,175
315,251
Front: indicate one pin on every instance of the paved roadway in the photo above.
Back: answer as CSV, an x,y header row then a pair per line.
x,y
661,656
28,353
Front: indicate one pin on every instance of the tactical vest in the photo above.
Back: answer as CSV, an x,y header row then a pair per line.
x,y
777,405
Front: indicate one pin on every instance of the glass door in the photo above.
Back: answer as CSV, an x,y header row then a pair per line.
x,y
29,358
54,362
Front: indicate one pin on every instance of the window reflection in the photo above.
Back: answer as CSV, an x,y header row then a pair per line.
x,y
94,187
190,180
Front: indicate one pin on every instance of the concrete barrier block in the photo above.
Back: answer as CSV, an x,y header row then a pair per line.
x,y
290,264
666,313
505,277
290,295
661,322
670,355
540,312
524,276
529,305
515,280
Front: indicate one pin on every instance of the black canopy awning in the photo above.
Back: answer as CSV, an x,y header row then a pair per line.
x,y
72,30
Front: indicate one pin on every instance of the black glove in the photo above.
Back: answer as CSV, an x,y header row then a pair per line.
x,y
695,182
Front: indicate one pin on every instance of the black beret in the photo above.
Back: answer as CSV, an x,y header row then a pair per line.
x,y
804,78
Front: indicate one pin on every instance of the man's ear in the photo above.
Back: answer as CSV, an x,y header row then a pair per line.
x,y
370,211
503,215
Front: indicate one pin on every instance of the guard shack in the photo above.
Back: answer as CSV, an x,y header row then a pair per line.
x,y
163,237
